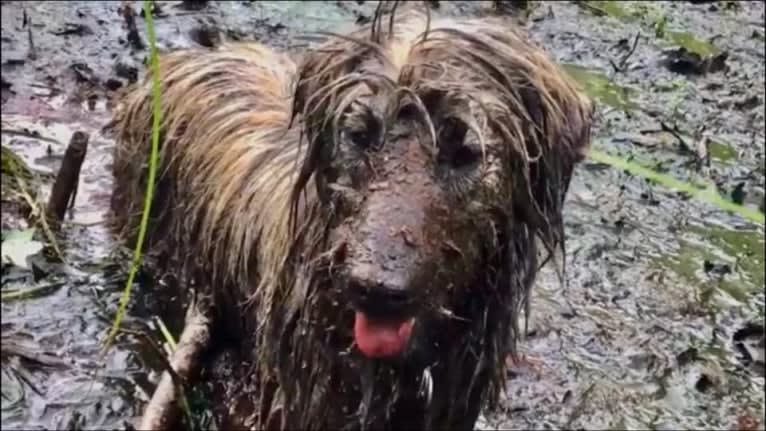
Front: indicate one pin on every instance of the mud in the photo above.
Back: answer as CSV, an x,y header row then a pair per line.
x,y
664,298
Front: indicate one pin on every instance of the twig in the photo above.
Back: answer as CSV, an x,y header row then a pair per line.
x,y
620,67
10,295
32,54
596,10
87,223
31,353
676,134
703,155
28,134
22,374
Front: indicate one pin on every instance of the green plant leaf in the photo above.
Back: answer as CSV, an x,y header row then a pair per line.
x,y
18,245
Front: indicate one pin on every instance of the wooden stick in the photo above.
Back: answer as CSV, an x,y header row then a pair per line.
x,y
68,177
163,409
129,15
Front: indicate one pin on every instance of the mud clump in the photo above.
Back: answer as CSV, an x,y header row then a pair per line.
x,y
685,62
193,5
206,34
386,276
126,68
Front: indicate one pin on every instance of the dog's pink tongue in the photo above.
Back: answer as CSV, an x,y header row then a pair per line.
x,y
381,338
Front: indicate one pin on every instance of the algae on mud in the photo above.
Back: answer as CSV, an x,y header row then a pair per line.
x,y
601,88
740,251
652,17
17,178
721,152
691,43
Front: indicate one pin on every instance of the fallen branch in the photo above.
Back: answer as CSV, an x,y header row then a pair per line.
x,y
162,412
65,188
28,134
13,345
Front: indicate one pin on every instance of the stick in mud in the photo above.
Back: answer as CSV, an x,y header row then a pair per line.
x,y
163,409
65,187
27,21
620,67
134,38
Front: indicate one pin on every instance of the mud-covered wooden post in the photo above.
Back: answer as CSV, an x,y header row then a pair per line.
x,y
194,4
129,15
511,7
65,187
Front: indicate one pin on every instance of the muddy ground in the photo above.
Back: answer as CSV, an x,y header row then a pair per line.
x,y
665,295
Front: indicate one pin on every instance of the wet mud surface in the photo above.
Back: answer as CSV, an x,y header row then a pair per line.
x,y
659,322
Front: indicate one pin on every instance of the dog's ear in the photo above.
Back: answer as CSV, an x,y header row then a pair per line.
x,y
323,76
550,175
553,120
335,57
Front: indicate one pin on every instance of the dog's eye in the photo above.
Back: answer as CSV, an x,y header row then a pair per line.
x,y
465,156
362,129
454,150
408,112
360,138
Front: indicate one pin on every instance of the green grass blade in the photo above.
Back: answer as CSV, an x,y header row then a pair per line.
x,y
709,195
166,334
156,117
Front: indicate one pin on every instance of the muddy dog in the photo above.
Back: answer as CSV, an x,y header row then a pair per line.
x,y
361,225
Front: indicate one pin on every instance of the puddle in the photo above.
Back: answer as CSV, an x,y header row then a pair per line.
x,y
598,86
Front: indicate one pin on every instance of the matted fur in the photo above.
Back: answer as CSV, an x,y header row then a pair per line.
x,y
244,131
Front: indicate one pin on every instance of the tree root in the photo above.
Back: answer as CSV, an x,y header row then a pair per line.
x,y
163,409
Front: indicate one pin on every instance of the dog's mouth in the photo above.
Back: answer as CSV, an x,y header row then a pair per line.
x,y
383,320
378,337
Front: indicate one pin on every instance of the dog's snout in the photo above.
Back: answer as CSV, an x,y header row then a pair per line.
x,y
378,294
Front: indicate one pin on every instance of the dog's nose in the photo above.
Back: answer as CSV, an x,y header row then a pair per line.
x,y
379,294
